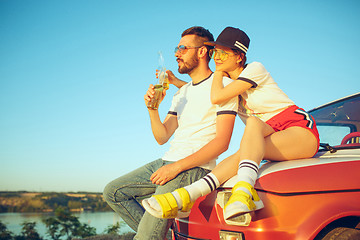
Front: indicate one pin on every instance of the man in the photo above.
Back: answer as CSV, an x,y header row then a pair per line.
x,y
202,131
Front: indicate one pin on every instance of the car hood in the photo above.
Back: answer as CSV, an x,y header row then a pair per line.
x,y
325,172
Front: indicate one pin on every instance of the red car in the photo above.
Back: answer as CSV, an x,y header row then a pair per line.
x,y
316,198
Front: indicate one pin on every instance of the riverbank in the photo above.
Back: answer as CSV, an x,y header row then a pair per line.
x,y
50,201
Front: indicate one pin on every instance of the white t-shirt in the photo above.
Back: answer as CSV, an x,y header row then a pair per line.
x,y
264,99
196,119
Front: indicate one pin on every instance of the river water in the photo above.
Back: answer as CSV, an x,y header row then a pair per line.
x,y
98,220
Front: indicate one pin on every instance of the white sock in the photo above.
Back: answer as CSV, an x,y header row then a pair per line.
x,y
199,188
248,171
202,186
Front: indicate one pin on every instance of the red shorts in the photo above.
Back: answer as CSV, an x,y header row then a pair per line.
x,y
291,117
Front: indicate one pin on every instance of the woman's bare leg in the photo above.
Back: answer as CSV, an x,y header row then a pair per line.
x,y
252,147
292,143
261,142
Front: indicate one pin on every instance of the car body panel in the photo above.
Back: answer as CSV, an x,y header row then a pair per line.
x,y
277,176
341,175
286,215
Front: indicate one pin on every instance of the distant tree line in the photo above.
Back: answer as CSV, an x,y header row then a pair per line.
x,y
62,226
47,202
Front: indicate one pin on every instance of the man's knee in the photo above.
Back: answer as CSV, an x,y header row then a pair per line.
x,y
109,193
114,193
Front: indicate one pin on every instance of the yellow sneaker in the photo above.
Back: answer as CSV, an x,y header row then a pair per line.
x,y
168,205
241,201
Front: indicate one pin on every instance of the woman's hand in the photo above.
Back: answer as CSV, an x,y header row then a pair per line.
x,y
172,78
165,174
221,73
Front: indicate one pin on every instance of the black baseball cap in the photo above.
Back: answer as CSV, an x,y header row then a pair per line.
x,y
233,38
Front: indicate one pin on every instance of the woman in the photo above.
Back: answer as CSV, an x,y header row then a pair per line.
x,y
273,124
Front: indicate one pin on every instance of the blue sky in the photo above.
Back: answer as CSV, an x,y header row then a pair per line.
x,y
73,75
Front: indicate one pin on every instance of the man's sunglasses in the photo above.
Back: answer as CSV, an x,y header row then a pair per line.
x,y
183,49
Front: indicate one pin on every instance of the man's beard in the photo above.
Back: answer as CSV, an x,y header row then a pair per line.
x,y
188,67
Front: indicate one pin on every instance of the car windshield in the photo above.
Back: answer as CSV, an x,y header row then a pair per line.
x,y
338,121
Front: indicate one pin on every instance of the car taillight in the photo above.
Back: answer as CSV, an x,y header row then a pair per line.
x,y
241,220
227,235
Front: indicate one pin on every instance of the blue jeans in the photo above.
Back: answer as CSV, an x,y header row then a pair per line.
x,y
125,193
